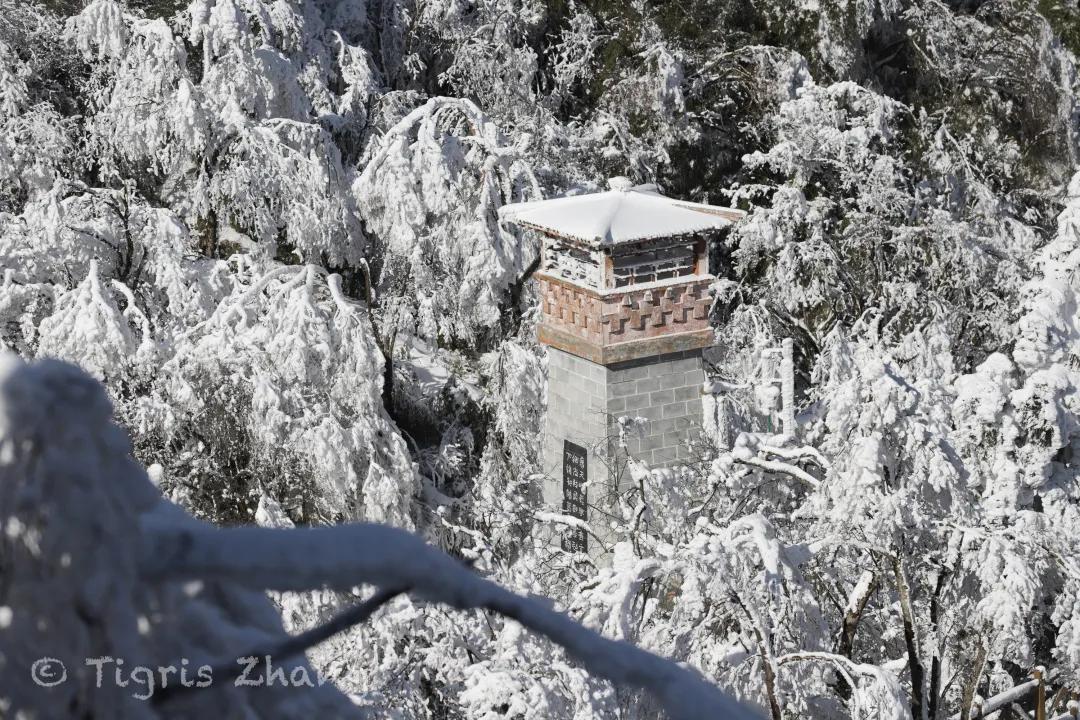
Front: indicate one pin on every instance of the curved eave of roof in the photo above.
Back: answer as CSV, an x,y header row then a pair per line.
x,y
729,214
609,241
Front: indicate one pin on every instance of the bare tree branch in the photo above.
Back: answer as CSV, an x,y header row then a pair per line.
x,y
229,669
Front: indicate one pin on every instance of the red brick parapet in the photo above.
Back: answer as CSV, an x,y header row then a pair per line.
x,y
627,323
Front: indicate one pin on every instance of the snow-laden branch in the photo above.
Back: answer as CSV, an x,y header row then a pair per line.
x,y
883,699
345,556
750,449
473,115
782,468
848,666
561,519
570,521
844,665
804,452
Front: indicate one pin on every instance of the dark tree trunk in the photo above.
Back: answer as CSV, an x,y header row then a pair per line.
x,y
911,640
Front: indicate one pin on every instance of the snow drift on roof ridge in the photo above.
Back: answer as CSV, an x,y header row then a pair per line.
x,y
623,214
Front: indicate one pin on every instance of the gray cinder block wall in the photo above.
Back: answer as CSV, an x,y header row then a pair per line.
x,y
666,391
576,411
585,400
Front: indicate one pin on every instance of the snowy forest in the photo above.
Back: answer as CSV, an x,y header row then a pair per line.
x,y
267,353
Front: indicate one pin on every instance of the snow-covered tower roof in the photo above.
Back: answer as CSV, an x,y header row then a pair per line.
x,y
625,213
624,273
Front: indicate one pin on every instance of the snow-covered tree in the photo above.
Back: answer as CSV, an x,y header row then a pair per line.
x,y
269,228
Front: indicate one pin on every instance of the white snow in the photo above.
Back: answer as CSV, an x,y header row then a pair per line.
x,y
623,214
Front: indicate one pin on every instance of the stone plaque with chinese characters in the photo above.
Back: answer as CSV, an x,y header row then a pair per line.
x,y
575,500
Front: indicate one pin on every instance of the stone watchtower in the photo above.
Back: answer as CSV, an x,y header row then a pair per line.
x,y
624,286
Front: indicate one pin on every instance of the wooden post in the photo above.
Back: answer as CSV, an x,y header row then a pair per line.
x,y
1040,693
701,257
607,270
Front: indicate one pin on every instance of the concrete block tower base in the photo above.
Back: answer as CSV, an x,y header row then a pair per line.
x,y
585,400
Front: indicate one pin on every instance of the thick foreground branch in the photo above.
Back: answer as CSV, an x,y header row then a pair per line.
x,y
345,556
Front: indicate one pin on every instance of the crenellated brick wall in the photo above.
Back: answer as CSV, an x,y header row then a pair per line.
x,y
598,320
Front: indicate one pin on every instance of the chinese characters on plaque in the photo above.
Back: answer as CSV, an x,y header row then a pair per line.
x,y
575,502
